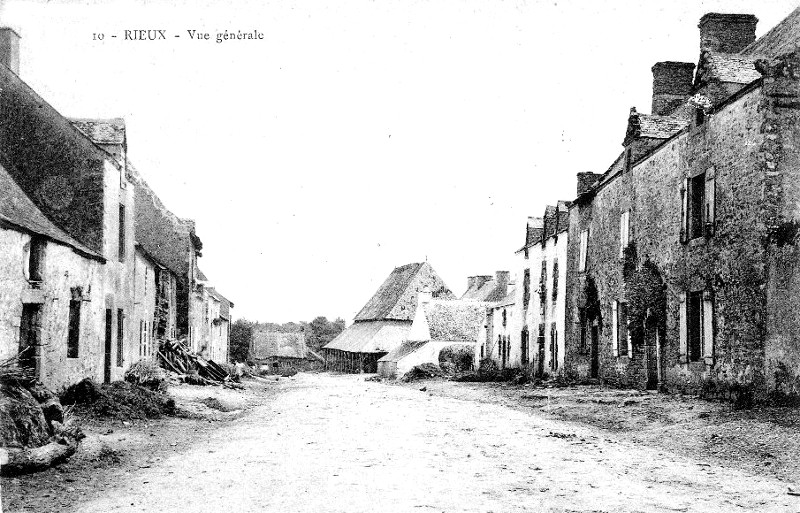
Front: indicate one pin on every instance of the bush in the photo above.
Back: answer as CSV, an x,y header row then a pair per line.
x,y
423,371
147,374
457,358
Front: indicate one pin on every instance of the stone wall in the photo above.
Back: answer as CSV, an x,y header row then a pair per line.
x,y
65,275
731,262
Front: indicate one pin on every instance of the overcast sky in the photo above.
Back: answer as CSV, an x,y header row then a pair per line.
x,y
360,135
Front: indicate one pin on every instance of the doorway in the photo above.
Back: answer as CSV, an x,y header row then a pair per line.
x,y
595,343
29,338
108,341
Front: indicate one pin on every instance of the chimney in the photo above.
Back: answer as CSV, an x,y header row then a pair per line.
x,y
586,180
501,279
727,33
9,49
672,86
470,282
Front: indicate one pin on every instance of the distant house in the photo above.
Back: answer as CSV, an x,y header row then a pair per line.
x,y
279,346
384,322
437,324
501,330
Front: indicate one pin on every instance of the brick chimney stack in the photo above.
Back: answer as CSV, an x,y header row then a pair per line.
x,y
727,33
672,86
9,49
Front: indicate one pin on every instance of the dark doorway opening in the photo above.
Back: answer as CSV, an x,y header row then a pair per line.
x,y
29,338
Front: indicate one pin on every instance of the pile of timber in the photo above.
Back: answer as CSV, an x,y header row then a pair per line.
x,y
176,356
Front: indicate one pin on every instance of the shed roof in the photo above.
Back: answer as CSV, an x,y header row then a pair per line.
x,y
396,298
268,343
18,210
371,337
403,350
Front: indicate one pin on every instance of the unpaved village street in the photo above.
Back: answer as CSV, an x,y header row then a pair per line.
x,y
336,443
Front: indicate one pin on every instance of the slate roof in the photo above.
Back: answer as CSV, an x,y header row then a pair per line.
x,y
396,298
403,350
102,131
659,127
727,68
371,337
509,299
455,321
481,288
782,38
19,211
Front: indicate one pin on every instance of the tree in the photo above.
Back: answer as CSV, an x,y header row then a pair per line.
x,y
320,331
241,338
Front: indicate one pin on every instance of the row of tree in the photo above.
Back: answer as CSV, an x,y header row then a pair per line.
x,y
318,332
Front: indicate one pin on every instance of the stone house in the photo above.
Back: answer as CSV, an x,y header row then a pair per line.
x,y
539,307
49,281
437,324
220,328
499,323
383,323
82,189
280,347
683,255
154,305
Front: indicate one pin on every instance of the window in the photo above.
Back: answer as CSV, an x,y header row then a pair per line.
x,y
526,289
505,317
526,254
122,233
35,263
555,280
74,329
699,117
694,326
624,232
697,192
120,337
698,216
582,251
543,289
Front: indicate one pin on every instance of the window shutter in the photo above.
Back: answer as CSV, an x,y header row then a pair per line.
x,y
614,329
623,233
684,210
682,328
708,328
583,249
710,206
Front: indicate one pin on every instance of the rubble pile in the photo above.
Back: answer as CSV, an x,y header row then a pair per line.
x,y
33,431
190,367
119,400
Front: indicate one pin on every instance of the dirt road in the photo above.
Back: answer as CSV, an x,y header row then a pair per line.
x,y
340,444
